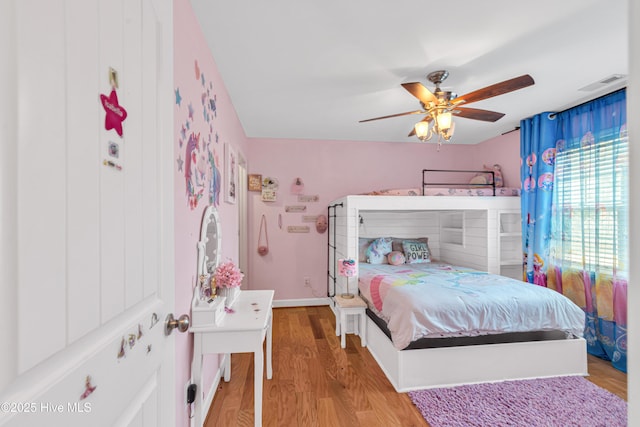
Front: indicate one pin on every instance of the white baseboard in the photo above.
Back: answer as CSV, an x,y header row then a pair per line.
x,y
304,302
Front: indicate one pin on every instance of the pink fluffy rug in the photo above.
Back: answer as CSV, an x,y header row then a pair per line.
x,y
546,402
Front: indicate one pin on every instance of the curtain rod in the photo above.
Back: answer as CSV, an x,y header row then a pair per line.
x,y
552,115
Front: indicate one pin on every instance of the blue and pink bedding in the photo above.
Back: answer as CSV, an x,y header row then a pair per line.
x,y
448,191
435,300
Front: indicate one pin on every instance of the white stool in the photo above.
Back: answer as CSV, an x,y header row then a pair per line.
x,y
346,307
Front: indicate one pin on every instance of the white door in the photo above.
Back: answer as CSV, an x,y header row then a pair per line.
x,y
87,214
243,256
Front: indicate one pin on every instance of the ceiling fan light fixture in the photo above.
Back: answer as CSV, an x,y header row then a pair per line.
x,y
444,121
423,131
440,124
449,133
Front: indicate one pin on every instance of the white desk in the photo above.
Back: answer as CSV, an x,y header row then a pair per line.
x,y
243,331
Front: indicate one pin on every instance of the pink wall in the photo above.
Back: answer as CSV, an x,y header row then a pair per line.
x,y
505,151
195,118
332,169
329,169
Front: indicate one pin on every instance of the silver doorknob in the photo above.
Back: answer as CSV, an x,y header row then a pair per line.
x,y
182,323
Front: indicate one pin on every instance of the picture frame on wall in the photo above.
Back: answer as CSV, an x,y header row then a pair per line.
x,y
254,182
230,173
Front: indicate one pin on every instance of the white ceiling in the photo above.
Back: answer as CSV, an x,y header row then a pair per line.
x,y
312,69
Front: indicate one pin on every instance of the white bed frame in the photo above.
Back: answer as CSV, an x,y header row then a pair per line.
x,y
420,216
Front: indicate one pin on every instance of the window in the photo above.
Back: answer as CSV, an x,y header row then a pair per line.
x,y
589,226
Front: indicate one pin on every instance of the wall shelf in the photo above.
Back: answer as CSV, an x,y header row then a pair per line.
x,y
510,243
452,228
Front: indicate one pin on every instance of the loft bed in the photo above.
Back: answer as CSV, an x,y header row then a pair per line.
x,y
475,244
450,182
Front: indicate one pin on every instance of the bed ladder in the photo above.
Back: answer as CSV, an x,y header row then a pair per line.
x,y
331,246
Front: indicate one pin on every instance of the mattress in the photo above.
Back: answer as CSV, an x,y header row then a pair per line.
x,y
471,191
447,191
509,337
436,300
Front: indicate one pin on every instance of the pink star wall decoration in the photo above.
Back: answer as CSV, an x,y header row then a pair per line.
x,y
115,113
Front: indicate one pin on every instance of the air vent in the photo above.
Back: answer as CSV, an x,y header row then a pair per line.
x,y
602,83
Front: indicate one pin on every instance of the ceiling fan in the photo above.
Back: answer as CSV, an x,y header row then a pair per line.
x,y
439,105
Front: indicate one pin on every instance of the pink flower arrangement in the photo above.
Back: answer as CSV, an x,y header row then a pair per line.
x,y
227,275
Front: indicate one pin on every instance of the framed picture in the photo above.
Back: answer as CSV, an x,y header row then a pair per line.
x,y
230,173
255,182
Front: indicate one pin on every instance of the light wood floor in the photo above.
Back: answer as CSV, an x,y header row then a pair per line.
x,y
317,383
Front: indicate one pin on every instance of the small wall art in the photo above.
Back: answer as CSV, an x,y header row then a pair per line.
x,y
231,174
297,187
115,113
298,229
308,198
269,188
254,182
295,208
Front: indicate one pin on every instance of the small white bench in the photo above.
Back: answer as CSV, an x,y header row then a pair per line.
x,y
346,307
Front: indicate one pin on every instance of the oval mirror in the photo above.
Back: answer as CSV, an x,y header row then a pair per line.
x,y
209,245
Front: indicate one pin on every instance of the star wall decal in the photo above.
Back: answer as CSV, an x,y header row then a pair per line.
x,y
178,97
180,163
115,113
190,111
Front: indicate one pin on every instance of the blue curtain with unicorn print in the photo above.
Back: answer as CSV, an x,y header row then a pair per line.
x,y
575,215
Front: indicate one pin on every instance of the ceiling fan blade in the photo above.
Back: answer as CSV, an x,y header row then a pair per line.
x,y
393,115
419,91
476,114
496,89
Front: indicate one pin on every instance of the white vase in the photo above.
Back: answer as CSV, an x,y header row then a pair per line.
x,y
230,293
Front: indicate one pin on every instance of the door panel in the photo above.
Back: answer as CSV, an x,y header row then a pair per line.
x,y
94,247
83,177
42,162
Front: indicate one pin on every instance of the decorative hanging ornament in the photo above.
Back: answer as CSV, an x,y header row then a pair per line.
x,y
111,105
115,113
297,187
321,224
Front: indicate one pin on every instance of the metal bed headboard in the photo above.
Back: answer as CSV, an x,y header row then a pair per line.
x,y
449,184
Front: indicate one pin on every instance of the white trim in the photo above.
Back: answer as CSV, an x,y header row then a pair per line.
x,y
241,191
450,366
303,302
9,193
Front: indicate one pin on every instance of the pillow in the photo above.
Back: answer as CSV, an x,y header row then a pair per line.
x,y
396,242
479,180
416,252
487,178
363,245
395,258
378,250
